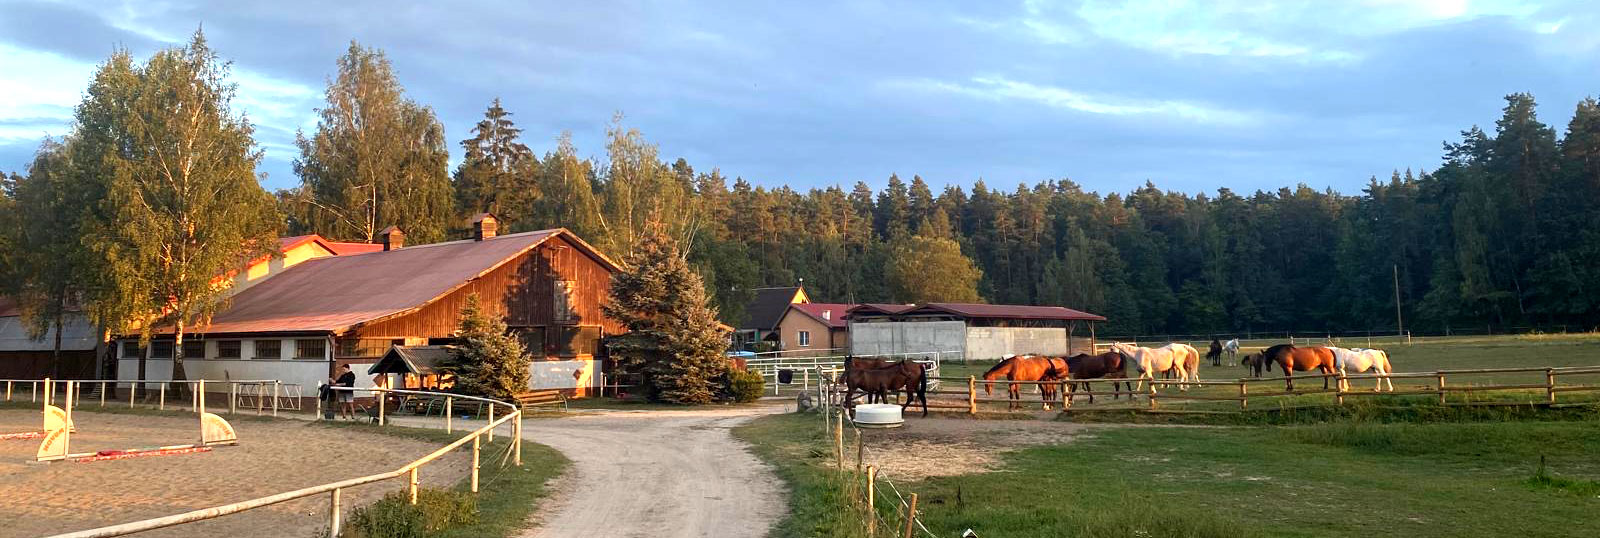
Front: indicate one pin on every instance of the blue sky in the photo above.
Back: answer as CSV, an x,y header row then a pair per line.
x,y
1191,95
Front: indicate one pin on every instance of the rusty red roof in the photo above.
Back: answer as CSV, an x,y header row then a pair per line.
x,y
974,310
342,248
830,314
336,293
880,308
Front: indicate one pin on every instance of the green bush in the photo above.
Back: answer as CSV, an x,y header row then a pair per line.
x,y
393,516
745,386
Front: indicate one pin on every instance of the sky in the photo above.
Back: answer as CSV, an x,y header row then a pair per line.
x,y
1192,96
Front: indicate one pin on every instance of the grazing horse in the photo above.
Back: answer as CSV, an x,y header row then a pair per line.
x,y
1299,359
1147,361
1215,353
884,377
1026,368
1360,360
1086,366
1253,363
1231,347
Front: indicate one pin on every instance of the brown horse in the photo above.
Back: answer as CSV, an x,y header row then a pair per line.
x,y
1086,366
1252,362
1027,368
875,377
1299,359
1215,352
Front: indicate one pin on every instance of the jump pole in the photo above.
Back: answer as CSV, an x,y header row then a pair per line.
x,y
58,436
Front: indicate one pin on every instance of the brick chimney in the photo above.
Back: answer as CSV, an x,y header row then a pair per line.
x,y
392,238
484,226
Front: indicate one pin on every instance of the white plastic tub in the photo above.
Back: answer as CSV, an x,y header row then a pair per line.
x,y
878,416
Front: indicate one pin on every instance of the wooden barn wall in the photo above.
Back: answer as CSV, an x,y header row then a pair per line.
x,y
522,291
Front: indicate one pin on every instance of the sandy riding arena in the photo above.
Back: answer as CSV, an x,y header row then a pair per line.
x,y
272,457
955,446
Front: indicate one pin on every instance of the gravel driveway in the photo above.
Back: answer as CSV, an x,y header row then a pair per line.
x,y
658,474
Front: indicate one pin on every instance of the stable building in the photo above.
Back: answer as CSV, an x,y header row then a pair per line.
x,y
302,323
954,331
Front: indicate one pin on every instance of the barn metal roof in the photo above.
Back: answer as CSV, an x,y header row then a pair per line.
x,y
420,360
336,293
1002,311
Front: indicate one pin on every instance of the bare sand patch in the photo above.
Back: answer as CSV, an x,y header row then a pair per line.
x,y
927,447
272,457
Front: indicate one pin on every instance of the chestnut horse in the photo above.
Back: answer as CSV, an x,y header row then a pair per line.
x,y
1299,359
1027,368
1086,366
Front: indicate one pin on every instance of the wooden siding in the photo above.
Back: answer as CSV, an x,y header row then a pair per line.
x,y
522,290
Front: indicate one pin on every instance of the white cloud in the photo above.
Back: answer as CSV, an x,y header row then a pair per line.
x,y
1005,89
40,90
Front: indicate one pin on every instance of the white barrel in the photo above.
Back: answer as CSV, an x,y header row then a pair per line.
x,y
878,416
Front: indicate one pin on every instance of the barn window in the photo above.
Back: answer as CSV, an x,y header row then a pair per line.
x,y
131,349
161,349
574,341
228,349
563,302
311,349
805,338
366,347
195,349
532,340
269,349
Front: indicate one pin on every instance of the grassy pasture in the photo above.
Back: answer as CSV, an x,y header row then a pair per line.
x,y
1341,478
1422,355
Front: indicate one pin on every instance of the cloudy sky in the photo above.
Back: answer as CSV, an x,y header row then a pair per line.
x,y
1190,95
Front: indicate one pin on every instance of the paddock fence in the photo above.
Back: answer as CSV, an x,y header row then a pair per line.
x,y
805,374
868,490
1529,386
263,396
408,473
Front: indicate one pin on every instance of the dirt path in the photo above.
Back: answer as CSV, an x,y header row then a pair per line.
x,y
657,474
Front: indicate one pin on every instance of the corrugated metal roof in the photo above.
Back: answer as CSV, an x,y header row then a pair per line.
x,y
421,360
346,248
336,292
972,310
830,314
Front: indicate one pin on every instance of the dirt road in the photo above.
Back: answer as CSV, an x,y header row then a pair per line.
x,y
657,474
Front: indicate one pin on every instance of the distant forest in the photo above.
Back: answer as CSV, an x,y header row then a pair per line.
x,y
1504,233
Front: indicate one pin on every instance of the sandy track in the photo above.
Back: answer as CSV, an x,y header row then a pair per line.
x,y
657,474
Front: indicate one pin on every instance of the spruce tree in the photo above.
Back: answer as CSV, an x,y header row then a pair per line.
x,y
674,339
489,361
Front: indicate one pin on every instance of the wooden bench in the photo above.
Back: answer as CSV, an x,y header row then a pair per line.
x,y
540,398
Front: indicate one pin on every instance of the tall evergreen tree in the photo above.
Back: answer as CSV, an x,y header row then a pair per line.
x,y
489,361
496,171
674,339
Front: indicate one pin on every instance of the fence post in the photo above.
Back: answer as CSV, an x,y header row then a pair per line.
x,y
161,403
319,408
1441,387
491,421
8,391
872,511
411,486
911,515
334,521
1550,385
476,447
516,457
449,412
860,451
33,392
381,399
275,397
972,395
233,398
102,393
838,444
130,395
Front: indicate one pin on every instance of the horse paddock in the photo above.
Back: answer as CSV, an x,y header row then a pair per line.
x,y
272,456
938,446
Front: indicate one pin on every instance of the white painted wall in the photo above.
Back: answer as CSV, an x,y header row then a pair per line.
x,y
558,374
308,373
887,338
998,342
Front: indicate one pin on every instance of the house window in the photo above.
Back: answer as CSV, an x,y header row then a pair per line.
x,y
161,349
131,349
805,338
228,349
195,349
269,349
563,302
574,341
311,349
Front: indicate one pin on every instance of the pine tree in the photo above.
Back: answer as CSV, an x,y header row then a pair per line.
x,y
377,158
674,339
496,171
489,361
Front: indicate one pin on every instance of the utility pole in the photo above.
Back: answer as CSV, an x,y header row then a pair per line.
x,y
1399,324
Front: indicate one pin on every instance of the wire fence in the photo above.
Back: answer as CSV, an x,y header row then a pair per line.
x,y
887,511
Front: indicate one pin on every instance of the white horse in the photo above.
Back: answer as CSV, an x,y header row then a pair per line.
x,y
1182,357
1231,347
1360,360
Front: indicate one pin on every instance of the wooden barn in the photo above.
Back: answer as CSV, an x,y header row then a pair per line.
x,y
299,325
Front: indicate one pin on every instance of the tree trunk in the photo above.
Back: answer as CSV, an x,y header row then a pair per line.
x,y
178,389
55,352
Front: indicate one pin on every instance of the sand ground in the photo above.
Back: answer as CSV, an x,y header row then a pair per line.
x,y
272,457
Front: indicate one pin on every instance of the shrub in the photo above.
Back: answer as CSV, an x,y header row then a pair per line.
x,y
745,386
393,516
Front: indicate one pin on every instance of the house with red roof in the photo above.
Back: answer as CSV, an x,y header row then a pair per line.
x,y
819,328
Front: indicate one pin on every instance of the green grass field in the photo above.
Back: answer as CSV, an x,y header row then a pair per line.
x,y
1342,478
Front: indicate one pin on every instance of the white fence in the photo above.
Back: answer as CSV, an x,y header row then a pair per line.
x,y
807,372
262,395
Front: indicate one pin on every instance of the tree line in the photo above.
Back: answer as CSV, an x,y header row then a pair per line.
x,y
155,187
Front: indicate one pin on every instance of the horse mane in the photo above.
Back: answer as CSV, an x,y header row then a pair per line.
x,y
1002,364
